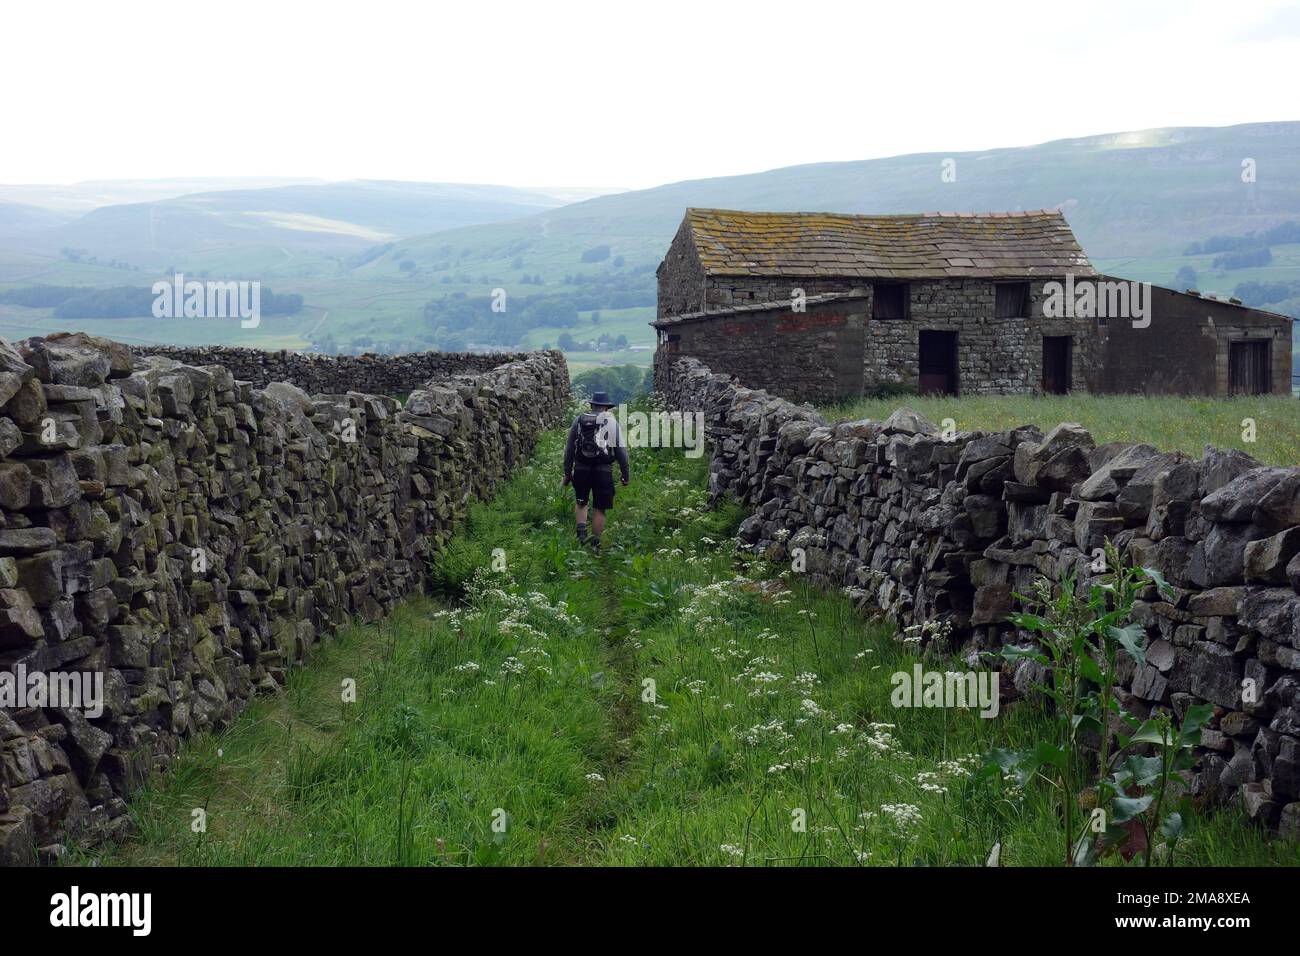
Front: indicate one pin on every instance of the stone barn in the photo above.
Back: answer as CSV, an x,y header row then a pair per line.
x,y
823,306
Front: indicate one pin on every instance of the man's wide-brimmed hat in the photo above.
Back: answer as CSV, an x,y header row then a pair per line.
x,y
601,400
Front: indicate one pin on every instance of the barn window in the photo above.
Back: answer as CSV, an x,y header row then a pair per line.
x,y
1012,300
889,300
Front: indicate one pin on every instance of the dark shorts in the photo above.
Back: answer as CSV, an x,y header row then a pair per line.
x,y
598,483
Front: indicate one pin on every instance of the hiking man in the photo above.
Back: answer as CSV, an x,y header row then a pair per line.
x,y
594,445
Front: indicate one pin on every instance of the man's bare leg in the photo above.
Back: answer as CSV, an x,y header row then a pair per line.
x,y
580,519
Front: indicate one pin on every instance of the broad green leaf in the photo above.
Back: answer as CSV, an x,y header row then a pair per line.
x,y
1088,723
1029,622
1140,770
1161,584
1021,764
1085,852
1014,652
1006,759
1151,732
1048,753
1126,808
1173,828
1197,716
1089,669
1131,638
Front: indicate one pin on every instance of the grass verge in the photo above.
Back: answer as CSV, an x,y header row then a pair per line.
x,y
1168,422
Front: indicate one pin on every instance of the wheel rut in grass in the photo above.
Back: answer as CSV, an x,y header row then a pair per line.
x,y
622,709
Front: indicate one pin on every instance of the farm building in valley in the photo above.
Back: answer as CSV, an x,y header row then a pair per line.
x,y
822,306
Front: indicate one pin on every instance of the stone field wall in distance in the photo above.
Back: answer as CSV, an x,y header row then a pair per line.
x,y
189,536
950,530
334,374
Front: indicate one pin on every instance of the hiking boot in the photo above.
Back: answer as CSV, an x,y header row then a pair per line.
x,y
594,541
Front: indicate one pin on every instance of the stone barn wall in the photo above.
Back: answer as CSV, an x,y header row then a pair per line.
x,y
1185,349
191,537
834,349
680,279
935,530
814,355
995,356
334,374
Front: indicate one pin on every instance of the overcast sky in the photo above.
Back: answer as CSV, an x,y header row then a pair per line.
x,y
615,93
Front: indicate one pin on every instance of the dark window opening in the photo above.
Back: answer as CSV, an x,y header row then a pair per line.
x,y
1012,300
1056,364
889,300
937,365
1248,368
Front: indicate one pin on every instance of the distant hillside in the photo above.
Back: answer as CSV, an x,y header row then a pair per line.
x,y
75,198
20,219
331,219
1126,195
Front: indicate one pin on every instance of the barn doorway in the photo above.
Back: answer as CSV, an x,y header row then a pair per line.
x,y
1248,368
1056,364
937,371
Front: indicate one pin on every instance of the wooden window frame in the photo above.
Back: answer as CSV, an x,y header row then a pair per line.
x,y
904,290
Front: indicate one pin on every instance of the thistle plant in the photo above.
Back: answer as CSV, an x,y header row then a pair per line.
x,y
1081,632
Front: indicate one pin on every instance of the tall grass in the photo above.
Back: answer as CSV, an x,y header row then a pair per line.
x,y
1170,423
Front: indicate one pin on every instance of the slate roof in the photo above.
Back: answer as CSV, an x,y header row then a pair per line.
x,y
912,246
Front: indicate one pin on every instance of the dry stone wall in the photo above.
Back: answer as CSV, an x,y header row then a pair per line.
x,y
930,529
186,538
369,373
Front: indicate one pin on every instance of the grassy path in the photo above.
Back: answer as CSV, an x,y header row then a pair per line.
x,y
666,703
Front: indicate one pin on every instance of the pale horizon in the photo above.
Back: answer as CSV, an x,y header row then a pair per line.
x,y
605,189
600,97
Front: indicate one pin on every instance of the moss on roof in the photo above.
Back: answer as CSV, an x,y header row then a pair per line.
x,y
913,246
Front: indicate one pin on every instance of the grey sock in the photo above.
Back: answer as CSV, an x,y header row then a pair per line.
x,y
582,531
